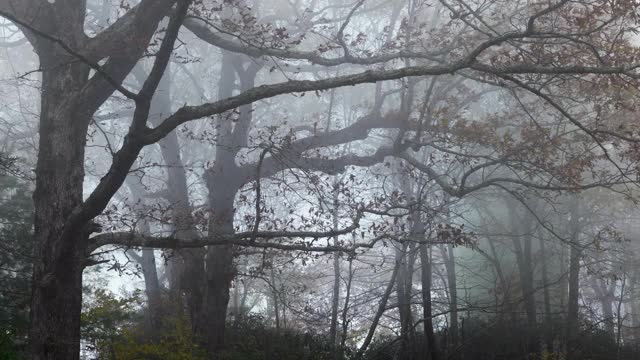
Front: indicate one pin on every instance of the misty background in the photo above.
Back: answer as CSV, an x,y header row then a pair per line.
x,y
487,212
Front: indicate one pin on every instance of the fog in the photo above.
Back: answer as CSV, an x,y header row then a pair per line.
x,y
319,179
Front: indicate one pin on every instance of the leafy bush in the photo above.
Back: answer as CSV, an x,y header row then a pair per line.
x,y
114,328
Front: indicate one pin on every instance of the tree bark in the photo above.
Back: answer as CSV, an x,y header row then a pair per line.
x,y
60,249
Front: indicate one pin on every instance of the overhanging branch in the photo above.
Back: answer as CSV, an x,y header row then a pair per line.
x,y
246,238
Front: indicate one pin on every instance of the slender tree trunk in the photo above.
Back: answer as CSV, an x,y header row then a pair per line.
x,y
575,253
345,309
276,302
564,280
335,303
529,293
283,300
381,308
244,308
406,257
504,287
574,291
634,300
427,314
619,317
605,295
450,266
413,255
607,312
147,262
548,319
528,286
236,303
186,265
155,312
525,271
404,302
523,257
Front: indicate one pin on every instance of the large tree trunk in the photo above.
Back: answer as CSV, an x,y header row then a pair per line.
x,y
60,249
220,267
220,274
62,222
223,181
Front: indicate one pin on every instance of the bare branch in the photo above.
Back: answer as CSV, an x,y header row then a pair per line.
x,y
132,239
344,25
